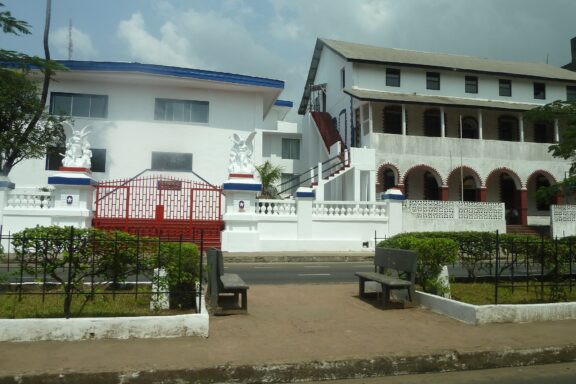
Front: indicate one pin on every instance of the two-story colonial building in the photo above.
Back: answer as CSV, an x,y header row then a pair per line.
x,y
444,127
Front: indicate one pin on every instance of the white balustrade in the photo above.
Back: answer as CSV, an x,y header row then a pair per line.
x,y
276,207
348,209
30,199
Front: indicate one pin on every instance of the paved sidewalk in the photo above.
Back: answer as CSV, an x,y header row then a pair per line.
x,y
294,332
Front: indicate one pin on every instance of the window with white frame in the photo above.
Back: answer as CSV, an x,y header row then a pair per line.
x,y
291,149
505,87
392,77
188,111
433,80
78,104
540,91
471,84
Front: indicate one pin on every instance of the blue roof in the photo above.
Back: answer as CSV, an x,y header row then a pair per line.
x,y
106,66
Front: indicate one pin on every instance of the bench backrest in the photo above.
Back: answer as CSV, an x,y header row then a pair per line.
x,y
215,262
401,260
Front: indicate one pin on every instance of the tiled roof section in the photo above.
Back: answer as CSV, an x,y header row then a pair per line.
x,y
410,98
369,53
328,131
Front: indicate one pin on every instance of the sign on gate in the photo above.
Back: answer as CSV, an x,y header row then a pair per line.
x,y
160,206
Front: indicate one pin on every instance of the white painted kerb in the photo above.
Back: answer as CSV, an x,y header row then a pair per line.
x,y
141,327
502,313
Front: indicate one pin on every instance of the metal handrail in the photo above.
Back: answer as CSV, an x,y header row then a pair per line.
x,y
312,173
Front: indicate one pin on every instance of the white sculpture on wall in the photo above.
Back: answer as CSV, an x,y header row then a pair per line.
x,y
241,154
78,153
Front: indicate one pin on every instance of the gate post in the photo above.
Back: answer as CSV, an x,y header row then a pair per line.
x,y
241,221
73,197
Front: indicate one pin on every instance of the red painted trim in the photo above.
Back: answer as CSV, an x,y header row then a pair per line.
x,y
75,169
482,194
444,195
523,207
242,175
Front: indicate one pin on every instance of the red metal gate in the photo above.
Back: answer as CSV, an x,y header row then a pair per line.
x,y
160,206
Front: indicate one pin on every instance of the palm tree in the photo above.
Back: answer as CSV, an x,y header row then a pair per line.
x,y
269,175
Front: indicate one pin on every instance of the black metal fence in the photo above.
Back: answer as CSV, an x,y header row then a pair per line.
x,y
543,268
66,265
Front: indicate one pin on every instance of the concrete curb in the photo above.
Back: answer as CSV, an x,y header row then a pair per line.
x,y
501,313
393,365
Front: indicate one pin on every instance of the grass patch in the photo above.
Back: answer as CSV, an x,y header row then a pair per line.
x,y
483,293
104,303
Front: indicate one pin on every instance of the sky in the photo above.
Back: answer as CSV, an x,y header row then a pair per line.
x,y
276,38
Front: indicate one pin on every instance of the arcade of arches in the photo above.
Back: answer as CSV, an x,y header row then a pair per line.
x,y
423,182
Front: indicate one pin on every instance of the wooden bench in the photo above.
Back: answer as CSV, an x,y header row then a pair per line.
x,y
389,264
220,284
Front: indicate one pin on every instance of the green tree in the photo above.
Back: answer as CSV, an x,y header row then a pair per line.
x,y
270,175
26,130
565,113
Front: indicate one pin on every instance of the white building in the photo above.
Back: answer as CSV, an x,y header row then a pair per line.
x,y
444,127
164,118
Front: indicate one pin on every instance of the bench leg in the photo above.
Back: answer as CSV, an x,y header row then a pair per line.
x,y
245,300
361,286
386,295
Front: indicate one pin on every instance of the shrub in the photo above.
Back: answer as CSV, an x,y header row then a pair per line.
x,y
433,254
70,256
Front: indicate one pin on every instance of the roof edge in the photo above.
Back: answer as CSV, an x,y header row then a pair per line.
x,y
156,69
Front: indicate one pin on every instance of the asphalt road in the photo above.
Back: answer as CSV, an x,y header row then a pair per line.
x,y
294,273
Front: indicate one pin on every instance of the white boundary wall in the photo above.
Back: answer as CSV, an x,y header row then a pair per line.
x,y
502,313
563,219
141,327
431,216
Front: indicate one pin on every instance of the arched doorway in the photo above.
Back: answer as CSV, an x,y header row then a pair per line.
x,y
422,183
470,128
540,208
508,128
504,186
464,181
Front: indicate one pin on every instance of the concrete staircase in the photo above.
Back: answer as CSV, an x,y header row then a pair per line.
x,y
529,230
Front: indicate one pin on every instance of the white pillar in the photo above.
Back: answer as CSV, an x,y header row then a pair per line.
x,y
241,216
370,121
395,219
357,181
556,131
480,125
442,123
320,185
304,201
404,129
521,126
372,186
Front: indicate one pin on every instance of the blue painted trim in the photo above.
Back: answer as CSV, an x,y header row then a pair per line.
x,y
305,194
283,103
70,180
394,197
107,66
242,187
